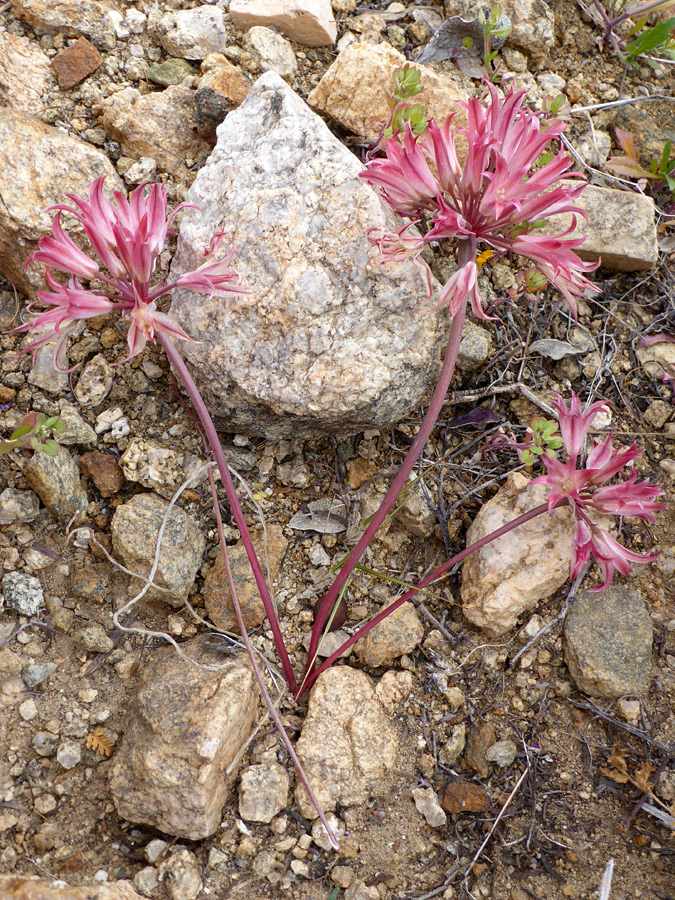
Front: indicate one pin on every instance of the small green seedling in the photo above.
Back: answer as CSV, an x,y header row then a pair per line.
x,y
493,28
33,433
407,84
542,439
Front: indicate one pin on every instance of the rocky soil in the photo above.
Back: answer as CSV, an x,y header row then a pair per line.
x,y
505,735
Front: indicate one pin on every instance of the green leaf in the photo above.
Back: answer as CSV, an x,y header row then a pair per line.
x,y
50,447
650,39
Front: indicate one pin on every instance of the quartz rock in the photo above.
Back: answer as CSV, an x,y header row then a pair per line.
x,y
328,339
193,33
135,529
185,727
512,574
351,91
39,166
347,742
25,74
273,50
307,22
95,381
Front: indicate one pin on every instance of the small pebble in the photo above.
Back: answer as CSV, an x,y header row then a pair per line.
x,y
35,673
28,710
69,754
93,639
45,804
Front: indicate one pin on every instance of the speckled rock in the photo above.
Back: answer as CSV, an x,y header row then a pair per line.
x,y
171,71
24,887
180,873
475,348
217,597
18,506
273,51
160,468
77,430
192,33
39,166
25,74
347,741
71,18
161,125
56,480
263,792
532,22
23,593
307,22
270,362
608,642
351,91
395,636
184,728
135,529
512,574
95,381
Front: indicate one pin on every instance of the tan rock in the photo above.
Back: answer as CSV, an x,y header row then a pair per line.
x,y
657,358
393,637
135,528
221,89
71,18
620,231
352,91
39,165
161,125
24,74
217,595
185,726
512,574
24,887
307,22
347,743
73,64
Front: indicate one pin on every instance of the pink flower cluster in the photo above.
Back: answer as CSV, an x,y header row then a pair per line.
x,y
496,198
127,236
583,484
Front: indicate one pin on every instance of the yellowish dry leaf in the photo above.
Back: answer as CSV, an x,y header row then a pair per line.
x,y
100,742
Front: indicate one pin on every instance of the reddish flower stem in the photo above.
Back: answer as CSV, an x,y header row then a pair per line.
x,y
465,254
269,703
425,582
214,442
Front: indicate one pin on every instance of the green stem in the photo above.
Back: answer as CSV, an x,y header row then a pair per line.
x,y
178,363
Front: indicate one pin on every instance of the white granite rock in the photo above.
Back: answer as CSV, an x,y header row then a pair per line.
x,y
192,33
274,51
328,339
307,22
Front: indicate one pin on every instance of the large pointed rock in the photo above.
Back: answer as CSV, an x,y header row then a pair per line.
x,y
329,340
